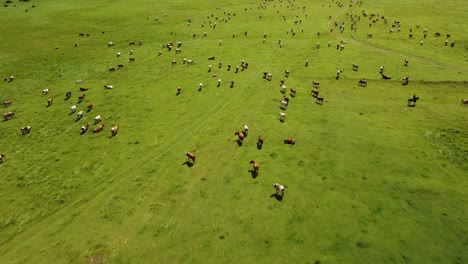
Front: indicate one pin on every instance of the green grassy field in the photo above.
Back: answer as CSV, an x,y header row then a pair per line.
x,y
370,180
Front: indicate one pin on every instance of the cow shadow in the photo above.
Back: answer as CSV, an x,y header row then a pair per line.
x,y
239,142
277,196
319,103
259,146
253,173
411,105
177,94
188,164
77,119
281,120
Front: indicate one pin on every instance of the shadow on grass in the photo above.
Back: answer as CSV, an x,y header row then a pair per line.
x,y
411,105
277,196
188,164
239,142
259,146
253,173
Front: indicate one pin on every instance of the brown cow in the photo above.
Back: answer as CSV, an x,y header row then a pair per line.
x,y
291,141
98,128
255,166
49,101
25,130
8,115
7,103
114,130
190,156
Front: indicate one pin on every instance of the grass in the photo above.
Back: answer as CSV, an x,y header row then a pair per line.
x,y
370,179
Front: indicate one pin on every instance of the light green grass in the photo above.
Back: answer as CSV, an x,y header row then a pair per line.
x,y
370,180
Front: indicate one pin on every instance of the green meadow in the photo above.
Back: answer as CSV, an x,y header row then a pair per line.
x,y
369,180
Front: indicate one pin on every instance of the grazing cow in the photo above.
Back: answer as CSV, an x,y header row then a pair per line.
x,y
320,100
11,78
80,81
285,98
79,115
109,86
315,93
81,98
240,135
200,86
131,42
211,58
97,119
282,116
187,61
382,68
25,130
283,88
260,140
110,44
292,92
114,130
131,52
246,129
190,156
68,95
338,73
413,100
8,115
232,84
269,76
406,62
286,73
362,83
84,128
179,89
219,82
131,59
73,109
112,69
386,77
405,80
355,67
120,66
290,141
49,101
2,158
284,104
98,128
255,166
369,35
45,91
119,54
279,189
464,102
177,51
316,84
7,103
90,107
83,89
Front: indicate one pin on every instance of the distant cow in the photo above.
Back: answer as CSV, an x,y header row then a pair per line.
x,y
25,130
108,86
7,103
97,119
73,109
79,115
362,83
290,141
90,107
114,130
316,84
110,44
81,98
2,158
84,128
284,104
386,77
464,102
98,128
83,89
240,135
45,91
49,101
282,116
80,81
68,95
279,189
131,59
255,165
8,115
355,67
190,156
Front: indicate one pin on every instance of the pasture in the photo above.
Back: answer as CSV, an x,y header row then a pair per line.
x,y
370,179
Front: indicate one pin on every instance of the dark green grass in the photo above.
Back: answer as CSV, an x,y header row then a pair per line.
x,y
370,179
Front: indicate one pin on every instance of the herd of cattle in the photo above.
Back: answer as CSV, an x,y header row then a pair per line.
x,y
241,135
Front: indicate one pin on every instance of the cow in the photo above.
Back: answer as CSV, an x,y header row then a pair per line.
x,y
25,130
120,66
114,130
131,59
292,92
119,54
283,89
131,42
279,189
110,44
413,100
49,101
190,157
405,80
10,79
320,100
282,116
316,84
355,67
90,107
109,86
45,91
386,77
246,129
97,119
362,83
255,165
73,109
84,128
7,103
260,141
8,115
79,115
232,84
406,62
84,89
315,93
68,95
81,98
240,135
179,89
464,102
338,73
131,52
98,128
112,69
290,141
382,68
284,104
2,158
269,76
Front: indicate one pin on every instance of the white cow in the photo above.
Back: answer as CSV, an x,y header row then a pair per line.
x,y
246,128
45,91
282,116
119,54
80,81
109,86
110,44
279,189
284,104
283,88
73,108
97,119
80,114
